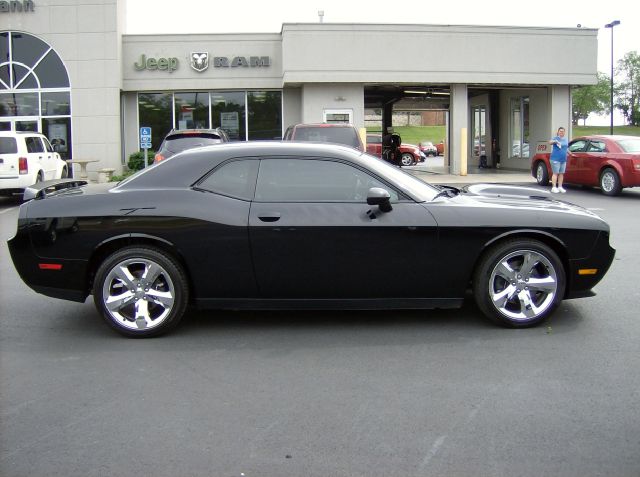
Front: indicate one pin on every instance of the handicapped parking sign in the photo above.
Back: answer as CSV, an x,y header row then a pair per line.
x,y
145,138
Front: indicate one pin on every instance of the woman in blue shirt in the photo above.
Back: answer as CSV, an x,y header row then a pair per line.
x,y
558,160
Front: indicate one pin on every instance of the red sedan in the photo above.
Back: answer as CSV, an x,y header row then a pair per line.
x,y
608,162
409,154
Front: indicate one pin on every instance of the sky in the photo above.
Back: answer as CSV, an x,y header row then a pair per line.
x,y
261,16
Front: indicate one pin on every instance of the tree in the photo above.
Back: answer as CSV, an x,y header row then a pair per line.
x,y
591,99
627,90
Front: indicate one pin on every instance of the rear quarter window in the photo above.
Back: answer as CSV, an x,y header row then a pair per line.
x,y
34,144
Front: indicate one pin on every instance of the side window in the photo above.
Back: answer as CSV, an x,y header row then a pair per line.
x,y
596,146
308,180
578,146
47,144
234,179
34,144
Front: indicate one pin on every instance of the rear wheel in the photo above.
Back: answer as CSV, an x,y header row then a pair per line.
x,y
610,182
65,173
542,174
406,159
141,292
518,283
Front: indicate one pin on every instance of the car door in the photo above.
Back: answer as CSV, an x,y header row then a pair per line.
x,y
591,162
36,156
575,161
374,145
314,236
51,159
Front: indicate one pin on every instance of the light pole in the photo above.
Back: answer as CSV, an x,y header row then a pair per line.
x,y
611,25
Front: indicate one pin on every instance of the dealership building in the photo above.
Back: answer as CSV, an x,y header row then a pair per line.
x,y
68,70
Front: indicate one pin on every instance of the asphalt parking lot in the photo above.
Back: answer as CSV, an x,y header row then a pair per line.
x,y
425,393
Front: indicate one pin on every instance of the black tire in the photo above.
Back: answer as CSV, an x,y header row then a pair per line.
x,y
610,182
148,306
518,283
65,173
542,174
406,159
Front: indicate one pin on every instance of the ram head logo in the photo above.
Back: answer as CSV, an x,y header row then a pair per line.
x,y
200,61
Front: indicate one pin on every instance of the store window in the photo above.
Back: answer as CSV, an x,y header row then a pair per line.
x,y
243,115
35,91
264,109
338,116
192,110
520,127
155,110
228,113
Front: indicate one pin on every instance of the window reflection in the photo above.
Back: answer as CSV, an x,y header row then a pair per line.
x,y
154,111
228,113
192,110
19,104
265,114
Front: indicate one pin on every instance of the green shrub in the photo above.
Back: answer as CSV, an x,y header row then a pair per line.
x,y
136,160
123,176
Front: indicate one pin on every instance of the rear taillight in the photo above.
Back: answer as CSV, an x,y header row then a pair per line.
x,y
23,165
636,164
158,158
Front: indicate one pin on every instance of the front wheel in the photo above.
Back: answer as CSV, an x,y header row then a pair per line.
x,y
140,292
610,182
519,283
542,174
406,159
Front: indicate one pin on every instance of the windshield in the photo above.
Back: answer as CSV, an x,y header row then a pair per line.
x,y
410,183
630,145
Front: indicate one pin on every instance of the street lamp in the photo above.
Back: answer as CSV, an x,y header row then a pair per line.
x,y
611,25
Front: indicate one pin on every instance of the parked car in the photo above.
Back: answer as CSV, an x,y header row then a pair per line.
x,y
428,148
409,154
335,133
179,140
278,225
608,162
27,158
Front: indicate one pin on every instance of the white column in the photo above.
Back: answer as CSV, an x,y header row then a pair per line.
x,y
458,125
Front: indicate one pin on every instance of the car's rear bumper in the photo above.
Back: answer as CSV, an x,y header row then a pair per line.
x,y
57,278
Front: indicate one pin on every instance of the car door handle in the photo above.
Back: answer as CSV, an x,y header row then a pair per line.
x,y
270,217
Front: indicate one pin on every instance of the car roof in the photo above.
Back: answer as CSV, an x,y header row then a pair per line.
x,y
20,133
183,169
193,131
614,137
324,125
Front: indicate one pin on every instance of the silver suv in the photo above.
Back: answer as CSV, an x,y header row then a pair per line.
x,y
27,158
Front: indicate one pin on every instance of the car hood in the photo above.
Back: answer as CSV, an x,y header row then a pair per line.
x,y
520,197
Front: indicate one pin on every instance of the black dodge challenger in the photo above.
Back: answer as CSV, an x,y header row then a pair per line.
x,y
299,225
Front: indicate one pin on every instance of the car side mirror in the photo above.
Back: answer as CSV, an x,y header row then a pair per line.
x,y
380,197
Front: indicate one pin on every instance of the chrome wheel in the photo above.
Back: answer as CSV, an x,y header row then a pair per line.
x,y
523,285
610,182
138,294
542,174
406,159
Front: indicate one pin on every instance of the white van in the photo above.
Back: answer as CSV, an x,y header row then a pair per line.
x,y
27,158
